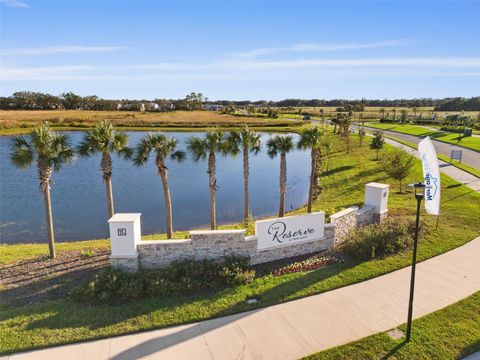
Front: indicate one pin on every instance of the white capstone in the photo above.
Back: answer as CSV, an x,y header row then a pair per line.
x,y
376,195
125,234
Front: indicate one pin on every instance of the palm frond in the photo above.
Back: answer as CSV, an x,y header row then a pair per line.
x,y
279,145
22,154
142,151
178,155
197,147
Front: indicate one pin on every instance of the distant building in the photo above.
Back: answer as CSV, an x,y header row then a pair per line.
x,y
151,106
212,107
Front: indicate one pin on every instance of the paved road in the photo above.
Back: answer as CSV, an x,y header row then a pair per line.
x,y
459,175
470,157
298,328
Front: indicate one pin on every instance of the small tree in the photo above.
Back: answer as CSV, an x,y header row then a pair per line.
x,y
398,164
377,142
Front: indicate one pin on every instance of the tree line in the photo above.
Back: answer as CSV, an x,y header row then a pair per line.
x,y
28,100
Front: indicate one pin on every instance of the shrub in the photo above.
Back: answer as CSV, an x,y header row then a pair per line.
x,y
392,235
179,278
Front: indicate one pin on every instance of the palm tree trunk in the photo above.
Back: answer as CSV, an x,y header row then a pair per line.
x,y
347,134
213,185
162,170
49,220
377,154
283,184
245,182
313,171
106,165
44,173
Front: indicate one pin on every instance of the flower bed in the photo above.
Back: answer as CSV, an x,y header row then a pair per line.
x,y
308,265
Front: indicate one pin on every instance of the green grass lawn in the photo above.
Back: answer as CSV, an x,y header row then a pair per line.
x,y
450,333
61,321
468,142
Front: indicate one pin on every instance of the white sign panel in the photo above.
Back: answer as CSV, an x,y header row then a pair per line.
x,y
289,230
431,174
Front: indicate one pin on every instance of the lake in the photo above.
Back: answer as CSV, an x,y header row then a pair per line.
x,y
80,208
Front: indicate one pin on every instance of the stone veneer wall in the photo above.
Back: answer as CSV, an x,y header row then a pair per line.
x,y
217,244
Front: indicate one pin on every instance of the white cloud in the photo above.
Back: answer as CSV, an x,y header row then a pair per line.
x,y
327,47
70,49
15,3
254,69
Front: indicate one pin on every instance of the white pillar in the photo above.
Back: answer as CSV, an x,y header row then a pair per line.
x,y
125,234
376,195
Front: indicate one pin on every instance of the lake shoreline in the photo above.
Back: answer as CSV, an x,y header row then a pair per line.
x,y
163,128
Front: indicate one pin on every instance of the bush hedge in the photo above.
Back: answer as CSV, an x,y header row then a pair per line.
x,y
392,235
179,278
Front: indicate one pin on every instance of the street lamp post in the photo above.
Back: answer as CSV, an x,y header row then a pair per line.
x,y
419,196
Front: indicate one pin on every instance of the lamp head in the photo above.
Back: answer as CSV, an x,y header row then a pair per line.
x,y
418,188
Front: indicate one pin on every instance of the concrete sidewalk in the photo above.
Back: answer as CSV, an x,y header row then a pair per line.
x,y
301,327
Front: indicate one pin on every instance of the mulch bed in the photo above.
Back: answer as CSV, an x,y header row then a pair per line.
x,y
41,278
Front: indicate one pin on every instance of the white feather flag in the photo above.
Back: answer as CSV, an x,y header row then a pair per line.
x,y
431,175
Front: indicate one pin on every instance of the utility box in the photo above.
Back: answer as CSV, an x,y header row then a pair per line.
x,y
125,234
376,195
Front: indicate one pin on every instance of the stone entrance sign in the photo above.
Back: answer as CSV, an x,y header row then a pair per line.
x,y
289,230
274,239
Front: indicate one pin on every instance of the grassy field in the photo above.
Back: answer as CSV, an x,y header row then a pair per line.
x,y
468,142
60,321
18,119
450,333
375,112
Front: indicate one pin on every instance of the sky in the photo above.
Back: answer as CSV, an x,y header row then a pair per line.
x,y
241,50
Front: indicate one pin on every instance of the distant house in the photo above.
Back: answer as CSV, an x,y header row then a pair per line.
x,y
151,106
212,107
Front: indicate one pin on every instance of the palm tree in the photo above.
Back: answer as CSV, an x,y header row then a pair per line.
x,y
104,139
281,145
310,138
245,141
49,150
212,143
336,121
382,112
164,147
